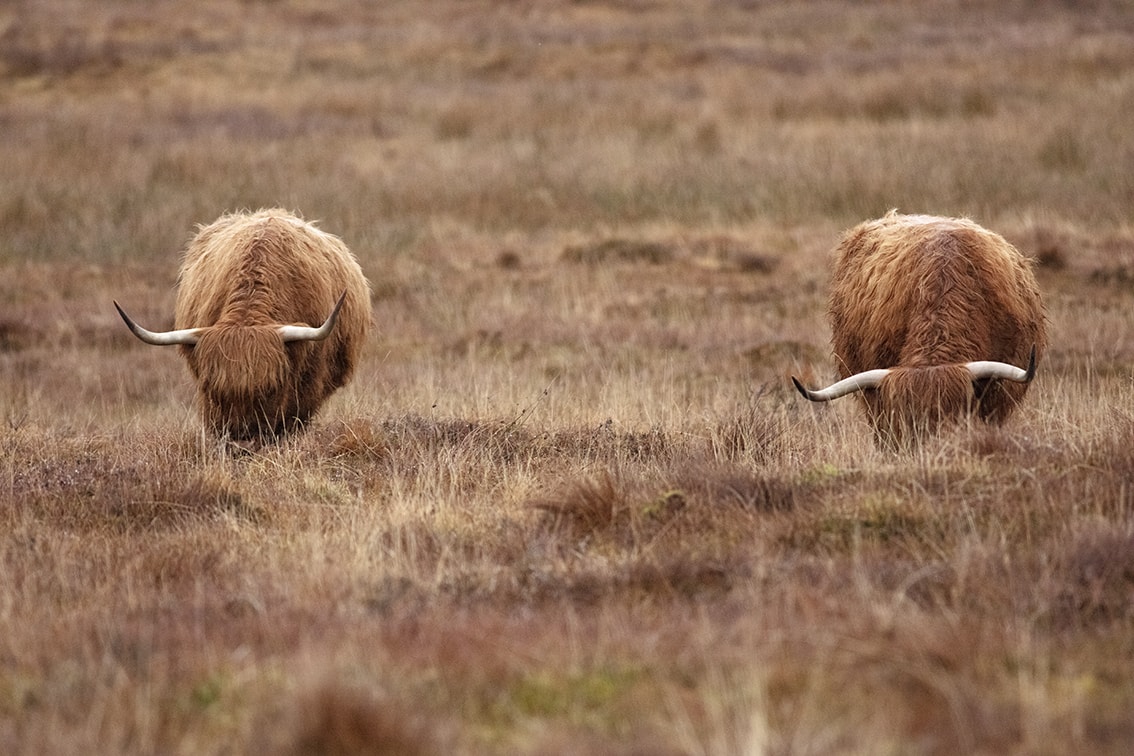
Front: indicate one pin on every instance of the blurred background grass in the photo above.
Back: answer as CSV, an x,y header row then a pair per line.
x,y
127,123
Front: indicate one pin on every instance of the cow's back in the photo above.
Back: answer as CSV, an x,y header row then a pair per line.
x,y
266,267
917,291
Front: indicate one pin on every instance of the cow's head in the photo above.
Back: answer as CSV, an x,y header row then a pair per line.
x,y
903,402
241,370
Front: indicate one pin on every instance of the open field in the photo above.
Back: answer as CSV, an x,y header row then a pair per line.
x,y
571,502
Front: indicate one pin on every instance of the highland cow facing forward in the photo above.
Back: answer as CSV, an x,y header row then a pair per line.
x,y
252,291
930,318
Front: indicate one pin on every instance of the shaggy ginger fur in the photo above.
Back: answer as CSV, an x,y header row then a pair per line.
x,y
924,295
242,277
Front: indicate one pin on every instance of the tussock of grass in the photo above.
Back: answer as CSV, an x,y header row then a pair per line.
x,y
613,251
340,719
586,507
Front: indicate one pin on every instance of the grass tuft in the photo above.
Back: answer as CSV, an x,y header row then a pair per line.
x,y
339,718
584,508
611,251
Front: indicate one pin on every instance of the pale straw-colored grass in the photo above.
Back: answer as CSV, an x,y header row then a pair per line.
x,y
571,501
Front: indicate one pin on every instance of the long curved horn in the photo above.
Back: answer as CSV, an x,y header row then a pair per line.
x,y
307,333
857,382
990,369
187,336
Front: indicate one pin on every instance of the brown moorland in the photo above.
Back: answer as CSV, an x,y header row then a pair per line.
x,y
571,502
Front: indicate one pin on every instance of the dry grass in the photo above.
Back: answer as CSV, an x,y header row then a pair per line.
x,y
571,503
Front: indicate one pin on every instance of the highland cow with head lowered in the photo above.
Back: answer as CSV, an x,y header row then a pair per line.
x,y
931,319
271,315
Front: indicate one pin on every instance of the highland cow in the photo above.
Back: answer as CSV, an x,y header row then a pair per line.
x,y
930,318
249,288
